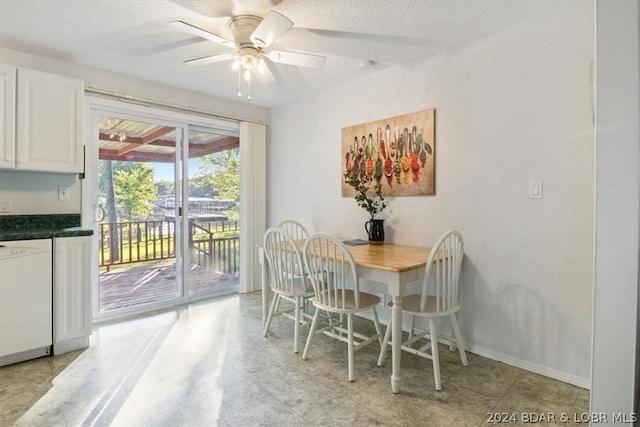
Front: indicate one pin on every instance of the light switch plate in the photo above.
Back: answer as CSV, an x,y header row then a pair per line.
x,y
535,189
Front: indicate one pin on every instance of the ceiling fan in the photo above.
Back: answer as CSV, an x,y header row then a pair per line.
x,y
251,36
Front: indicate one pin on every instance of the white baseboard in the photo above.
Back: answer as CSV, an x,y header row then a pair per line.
x,y
516,362
531,367
67,346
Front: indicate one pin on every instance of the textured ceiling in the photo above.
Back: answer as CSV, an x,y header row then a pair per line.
x,y
134,38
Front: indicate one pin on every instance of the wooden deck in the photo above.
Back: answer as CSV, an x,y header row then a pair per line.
x,y
139,285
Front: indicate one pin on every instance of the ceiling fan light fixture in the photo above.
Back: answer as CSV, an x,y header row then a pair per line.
x,y
259,65
252,35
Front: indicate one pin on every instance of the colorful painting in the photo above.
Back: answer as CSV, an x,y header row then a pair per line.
x,y
397,152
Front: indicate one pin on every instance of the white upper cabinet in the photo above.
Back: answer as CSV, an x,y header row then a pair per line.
x,y
7,116
49,122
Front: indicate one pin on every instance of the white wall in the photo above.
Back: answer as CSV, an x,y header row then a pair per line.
x,y
510,108
615,314
37,193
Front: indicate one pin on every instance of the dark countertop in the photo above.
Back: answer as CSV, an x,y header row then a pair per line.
x,y
28,227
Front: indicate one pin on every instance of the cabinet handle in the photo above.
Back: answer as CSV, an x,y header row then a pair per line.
x,y
82,175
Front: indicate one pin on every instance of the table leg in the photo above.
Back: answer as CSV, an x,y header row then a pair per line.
x,y
396,343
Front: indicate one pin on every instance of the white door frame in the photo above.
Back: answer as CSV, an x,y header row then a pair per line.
x,y
254,152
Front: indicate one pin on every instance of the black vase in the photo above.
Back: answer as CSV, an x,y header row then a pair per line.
x,y
375,230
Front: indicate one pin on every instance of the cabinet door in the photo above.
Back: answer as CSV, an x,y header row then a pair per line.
x,y
7,116
49,122
72,287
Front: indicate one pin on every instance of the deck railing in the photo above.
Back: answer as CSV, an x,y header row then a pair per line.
x,y
138,241
219,253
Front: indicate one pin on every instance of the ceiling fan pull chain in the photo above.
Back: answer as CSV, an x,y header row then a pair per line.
x,y
248,87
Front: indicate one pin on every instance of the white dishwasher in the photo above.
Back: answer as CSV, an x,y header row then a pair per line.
x,y
26,294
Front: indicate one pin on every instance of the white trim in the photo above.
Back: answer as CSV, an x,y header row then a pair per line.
x,y
171,117
529,366
66,346
133,100
181,121
509,360
615,357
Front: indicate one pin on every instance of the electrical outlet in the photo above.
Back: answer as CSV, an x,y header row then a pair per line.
x,y
5,205
63,193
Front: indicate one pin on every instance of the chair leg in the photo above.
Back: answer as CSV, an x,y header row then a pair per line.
x,y
278,305
350,349
434,354
376,323
312,330
412,320
385,342
330,319
272,309
456,332
296,326
341,324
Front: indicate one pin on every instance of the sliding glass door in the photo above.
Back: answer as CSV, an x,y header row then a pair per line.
x,y
139,234
167,200
213,212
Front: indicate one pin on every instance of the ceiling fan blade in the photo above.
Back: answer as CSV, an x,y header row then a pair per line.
x,y
210,59
272,26
184,26
263,74
298,59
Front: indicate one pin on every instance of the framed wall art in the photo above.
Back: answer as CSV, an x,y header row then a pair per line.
x,y
396,152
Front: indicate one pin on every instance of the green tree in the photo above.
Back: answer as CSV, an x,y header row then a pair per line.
x,y
134,188
164,187
201,186
222,171
115,166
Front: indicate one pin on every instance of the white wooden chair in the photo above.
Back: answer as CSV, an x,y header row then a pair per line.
x,y
439,298
298,232
287,279
295,229
332,271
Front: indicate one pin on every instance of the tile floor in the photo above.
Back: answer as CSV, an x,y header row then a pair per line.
x,y
208,364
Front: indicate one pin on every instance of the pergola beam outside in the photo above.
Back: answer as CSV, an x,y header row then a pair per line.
x,y
195,150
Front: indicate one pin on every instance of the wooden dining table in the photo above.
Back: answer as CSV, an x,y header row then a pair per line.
x,y
394,265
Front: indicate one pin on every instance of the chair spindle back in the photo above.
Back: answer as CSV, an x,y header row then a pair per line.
x,y
286,266
442,272
332,270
